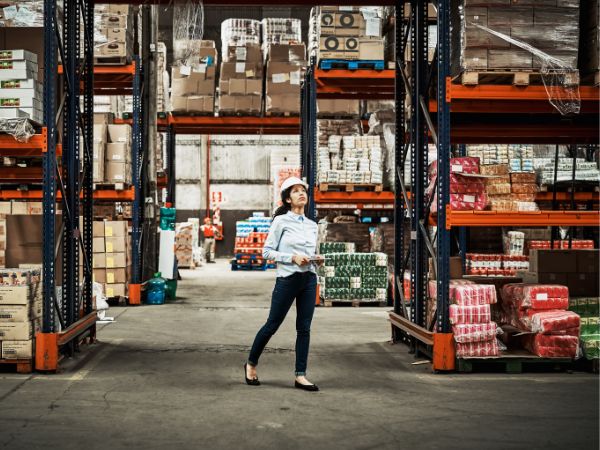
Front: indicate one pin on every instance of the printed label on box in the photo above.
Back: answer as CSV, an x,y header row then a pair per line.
x,y
373,27
108,231
10,12
240,53
185,70
469,198
200,68
280,77
240,67
457,168
250,73
110,262
110,277
109,247
110,292
295,77
541,296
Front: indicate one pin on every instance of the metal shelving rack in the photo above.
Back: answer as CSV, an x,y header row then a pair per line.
x,y
446,114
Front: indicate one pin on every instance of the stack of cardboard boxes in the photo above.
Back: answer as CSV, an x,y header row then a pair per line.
x,y
241,82
162,77
550,26
193,81
118,150
111,259
3,237
21,95
183,245
285,69
20,311
350,33
113,33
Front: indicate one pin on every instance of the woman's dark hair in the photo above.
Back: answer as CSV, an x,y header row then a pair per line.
x,y
285,206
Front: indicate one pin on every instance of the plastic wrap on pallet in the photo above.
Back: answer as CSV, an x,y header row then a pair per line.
x,y
281,31
477,349
536,296
239,32
188,29
476,332
470,314
552,346
552,322
516,36
21,129
473,294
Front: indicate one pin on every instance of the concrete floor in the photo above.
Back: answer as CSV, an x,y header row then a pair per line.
x,y
171,377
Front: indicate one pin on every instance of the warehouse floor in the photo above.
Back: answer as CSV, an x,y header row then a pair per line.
x,y
171,377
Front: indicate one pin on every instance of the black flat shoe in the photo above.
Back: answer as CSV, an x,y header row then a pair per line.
x,y
306,387
250,382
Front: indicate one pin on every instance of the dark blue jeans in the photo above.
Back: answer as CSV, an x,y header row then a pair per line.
x,y
301,286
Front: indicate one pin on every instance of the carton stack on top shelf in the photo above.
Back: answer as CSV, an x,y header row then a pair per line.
x,y
193,80
348,33
21,95
101,121
552,29
3,209
241,82
286,61
20,312
113,34
111,258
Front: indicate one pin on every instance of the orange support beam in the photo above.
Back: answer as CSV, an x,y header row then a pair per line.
x,y
521,218
46,352
444,352
135,294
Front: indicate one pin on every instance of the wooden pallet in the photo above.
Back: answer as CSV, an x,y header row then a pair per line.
x,y
350,187
354,303
512,362
111,186
328,64
20,365
111,60
508,76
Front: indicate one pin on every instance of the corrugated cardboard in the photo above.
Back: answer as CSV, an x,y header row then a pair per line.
x,y
282,103
371,49
98,228
336,107
241,70
98,244
17,349
240,103
115,244
5,208
287,52
118,152
200,103
99,276
119,133
24,239
18,331
247,52
114,49
98,149
116,275
117,172
115,260
99,260
98,170
115,228
115,290
21,313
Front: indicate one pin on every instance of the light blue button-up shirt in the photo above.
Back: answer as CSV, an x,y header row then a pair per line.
x,y
291,234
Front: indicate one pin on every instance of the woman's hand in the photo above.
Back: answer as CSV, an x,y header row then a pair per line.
x,y
301,260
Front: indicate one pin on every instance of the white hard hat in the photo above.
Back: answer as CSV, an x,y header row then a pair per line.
x,y
292,181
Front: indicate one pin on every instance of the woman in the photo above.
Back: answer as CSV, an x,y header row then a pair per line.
x,y
292,242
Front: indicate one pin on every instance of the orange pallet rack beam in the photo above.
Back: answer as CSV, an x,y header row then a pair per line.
x,y
359,84
125,195
234,125
521,218
35,146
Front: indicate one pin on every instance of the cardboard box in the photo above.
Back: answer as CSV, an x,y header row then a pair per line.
x,y
544,278
118,152
207,50
20,208
236,86
287,52
241,70
583,284
99,276
116,275
240,103
98,149
115,260
115,244
200,103
17,349
103,118
247,52
337,107
282,103
588,261
115,34
98,245
179,104
115,290
18,331
100,130
21,313
99,260
18,295
5,208
114,49
117,172
552,261
371,49
98,171
115,228
119,133
98,228
184,86
114,20
456,268
206,87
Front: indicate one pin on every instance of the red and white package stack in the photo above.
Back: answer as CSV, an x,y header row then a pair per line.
x,y
467,192
552,346
562,244
541,310
471,319
477,349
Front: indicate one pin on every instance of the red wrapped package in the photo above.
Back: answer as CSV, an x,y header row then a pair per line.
x,y
470,314
468,202
432,286
548,322
465,164
552,346
536,296
473,294
477,349
475,332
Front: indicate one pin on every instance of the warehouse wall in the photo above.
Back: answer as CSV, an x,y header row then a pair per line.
x,y
241,173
